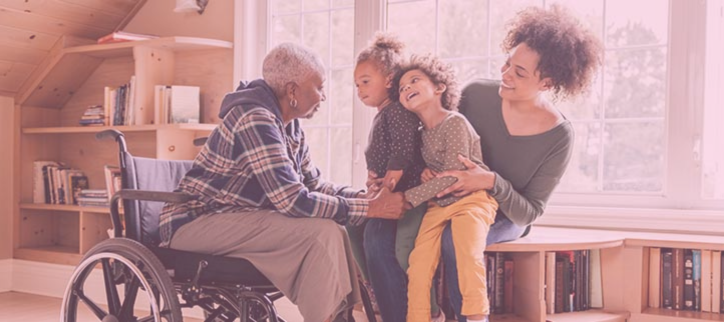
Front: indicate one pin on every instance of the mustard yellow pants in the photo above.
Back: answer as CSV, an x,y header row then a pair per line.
x,y
470,218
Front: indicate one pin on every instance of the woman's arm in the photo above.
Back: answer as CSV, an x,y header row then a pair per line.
x,y
522,207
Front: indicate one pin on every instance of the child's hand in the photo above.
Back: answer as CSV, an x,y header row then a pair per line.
x,y
392,177
427,175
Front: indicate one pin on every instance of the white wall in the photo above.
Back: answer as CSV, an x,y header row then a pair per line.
x,y
157,18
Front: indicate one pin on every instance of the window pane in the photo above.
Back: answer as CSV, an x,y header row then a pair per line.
x,y
582,175
318,146
635,83
316,34
634,157
343,3
584,107
286,29
463,28
316,5
713,131
342,38
635,23
590,13
414,23
340,171
341,95
282,6
500,13
467,70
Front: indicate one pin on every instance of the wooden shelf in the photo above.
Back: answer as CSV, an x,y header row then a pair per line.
x,y
665,315
126,48
125,128
65,70
506,318
589,316
70,208
66,255
551,239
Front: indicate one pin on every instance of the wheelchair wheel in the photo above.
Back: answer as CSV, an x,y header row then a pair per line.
x,y
131,267
226,308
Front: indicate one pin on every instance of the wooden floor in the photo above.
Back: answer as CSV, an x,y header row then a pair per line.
x,y
22,307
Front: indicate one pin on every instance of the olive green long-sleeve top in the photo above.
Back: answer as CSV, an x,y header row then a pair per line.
x,y
527,168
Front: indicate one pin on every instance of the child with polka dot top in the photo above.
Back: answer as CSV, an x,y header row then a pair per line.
x,y
393,155
427,87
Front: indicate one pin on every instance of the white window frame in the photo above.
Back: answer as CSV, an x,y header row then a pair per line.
x,y
685,83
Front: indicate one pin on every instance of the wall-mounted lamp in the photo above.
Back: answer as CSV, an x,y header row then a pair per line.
x,y
186,6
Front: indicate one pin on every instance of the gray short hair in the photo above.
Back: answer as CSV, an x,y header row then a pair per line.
x,y
289,62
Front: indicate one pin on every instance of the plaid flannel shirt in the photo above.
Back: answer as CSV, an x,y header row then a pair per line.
x,y
251,161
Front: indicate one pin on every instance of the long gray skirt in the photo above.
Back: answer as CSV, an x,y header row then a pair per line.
x,y
308,259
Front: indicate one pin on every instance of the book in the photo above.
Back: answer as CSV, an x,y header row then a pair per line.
x,y
677,282
696,274
706,281
40,189
596,280
508,289
121,36
654,277
688,280
550,281
184,105
667,280
716,281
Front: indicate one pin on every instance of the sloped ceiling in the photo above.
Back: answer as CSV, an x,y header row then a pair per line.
x,y
30,28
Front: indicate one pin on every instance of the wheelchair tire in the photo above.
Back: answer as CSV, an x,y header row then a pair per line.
x,y
133,267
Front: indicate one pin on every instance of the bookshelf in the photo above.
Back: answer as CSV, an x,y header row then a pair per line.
x,y
624,271
72,78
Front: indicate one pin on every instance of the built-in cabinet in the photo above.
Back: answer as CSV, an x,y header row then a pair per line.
x,y
624,270
73,78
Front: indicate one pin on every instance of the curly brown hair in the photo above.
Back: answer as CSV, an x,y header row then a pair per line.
x,y
439,73
385,51
570,54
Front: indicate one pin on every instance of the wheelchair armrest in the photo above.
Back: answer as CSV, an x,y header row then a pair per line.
x,y
144,195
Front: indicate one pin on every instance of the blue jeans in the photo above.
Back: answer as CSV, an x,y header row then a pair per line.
x,y
388,279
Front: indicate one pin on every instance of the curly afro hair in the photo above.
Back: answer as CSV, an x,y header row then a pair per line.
x,y
570,54
439,73
385,51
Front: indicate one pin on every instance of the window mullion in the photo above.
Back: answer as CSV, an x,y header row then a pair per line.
x,y
369,17
687,31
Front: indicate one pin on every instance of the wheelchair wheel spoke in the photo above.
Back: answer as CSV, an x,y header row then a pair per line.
x,y
97,310
114,303
130,300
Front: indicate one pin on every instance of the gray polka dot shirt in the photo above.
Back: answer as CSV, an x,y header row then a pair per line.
x,y
440,148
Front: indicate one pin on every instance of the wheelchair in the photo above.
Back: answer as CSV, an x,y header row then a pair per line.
x,y
159,280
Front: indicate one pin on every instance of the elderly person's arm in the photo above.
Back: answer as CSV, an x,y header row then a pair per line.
x,y
263,149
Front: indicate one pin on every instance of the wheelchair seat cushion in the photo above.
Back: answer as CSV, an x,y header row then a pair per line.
x,y
220,269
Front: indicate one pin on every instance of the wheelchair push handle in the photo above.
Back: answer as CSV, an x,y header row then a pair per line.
x,y
108,134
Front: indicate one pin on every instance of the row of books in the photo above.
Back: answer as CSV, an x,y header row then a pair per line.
x,y
686,279
56,183
573,281
119,105
173,104
500,270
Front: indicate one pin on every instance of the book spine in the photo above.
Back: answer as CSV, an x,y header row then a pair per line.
x,y
678,283
688,280
667,278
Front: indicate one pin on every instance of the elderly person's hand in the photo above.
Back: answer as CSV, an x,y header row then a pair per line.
x,y
388,205
473,178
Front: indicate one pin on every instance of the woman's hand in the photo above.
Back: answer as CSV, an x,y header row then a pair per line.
x,y
427,175
473,178
392,177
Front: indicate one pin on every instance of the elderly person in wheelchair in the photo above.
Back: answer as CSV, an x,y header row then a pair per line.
x,y
259,196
